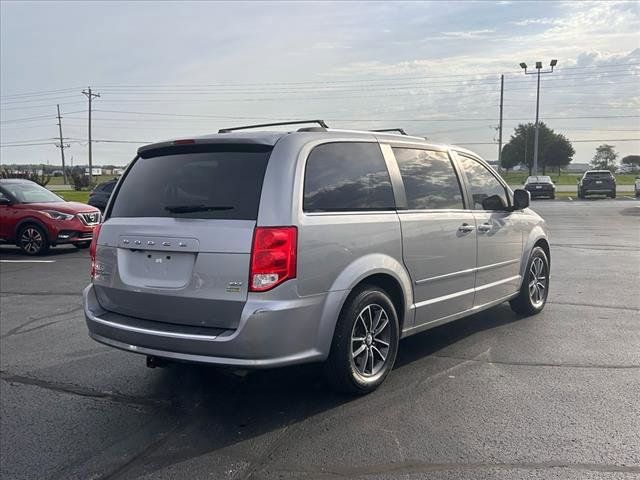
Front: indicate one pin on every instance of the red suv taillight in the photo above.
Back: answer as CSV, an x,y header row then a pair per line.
x,y
273,257
92,250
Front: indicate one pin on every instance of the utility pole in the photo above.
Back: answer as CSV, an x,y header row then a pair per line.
x,y
500,126
90,95
62,146
535,141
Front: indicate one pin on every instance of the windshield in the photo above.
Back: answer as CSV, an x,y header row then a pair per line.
x,y
31,193
224,183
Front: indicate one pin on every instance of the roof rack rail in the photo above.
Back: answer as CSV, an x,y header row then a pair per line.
x,y
277,124
399,130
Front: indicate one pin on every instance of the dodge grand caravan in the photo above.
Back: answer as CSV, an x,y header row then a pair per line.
x,y
265,249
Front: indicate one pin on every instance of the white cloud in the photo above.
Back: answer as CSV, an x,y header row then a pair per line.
x,y
469,34
534,21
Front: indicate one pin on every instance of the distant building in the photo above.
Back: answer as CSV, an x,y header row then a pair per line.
x,y
117,171
577,167
96,171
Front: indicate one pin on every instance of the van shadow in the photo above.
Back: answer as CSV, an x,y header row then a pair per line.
x,y
217,408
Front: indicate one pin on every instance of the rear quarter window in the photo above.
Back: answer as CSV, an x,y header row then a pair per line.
x,y
223,183
347,176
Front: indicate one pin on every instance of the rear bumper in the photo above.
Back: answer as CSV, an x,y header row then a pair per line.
x,y
271,333
598,191
541,192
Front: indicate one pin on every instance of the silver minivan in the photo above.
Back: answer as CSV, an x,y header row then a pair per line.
x,y
263,249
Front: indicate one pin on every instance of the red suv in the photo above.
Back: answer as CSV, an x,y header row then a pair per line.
x,y
35,219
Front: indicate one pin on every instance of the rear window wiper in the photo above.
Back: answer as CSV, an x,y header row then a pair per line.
x,y
196,208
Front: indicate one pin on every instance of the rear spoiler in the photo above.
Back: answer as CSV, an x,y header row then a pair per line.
x,y
261,143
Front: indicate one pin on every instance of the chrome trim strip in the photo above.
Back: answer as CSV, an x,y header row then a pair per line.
x,y
445,276
146,331
497,265
467,271
465,292
304,357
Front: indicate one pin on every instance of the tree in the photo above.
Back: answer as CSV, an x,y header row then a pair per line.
x,y
605,158
557,153
554,149
632,160
33,174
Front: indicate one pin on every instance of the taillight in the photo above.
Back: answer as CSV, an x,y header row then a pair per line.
x,y
93,248
273,257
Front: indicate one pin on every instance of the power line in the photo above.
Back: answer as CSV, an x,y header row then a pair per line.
x,y
218,84
572,141
454,143
485,77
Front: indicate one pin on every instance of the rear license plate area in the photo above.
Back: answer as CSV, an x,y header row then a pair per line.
x,y
155,269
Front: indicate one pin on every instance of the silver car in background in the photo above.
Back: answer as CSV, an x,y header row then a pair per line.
x,y
264,249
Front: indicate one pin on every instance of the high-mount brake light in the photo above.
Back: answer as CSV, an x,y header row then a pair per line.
x,y
273,257
184,142
93,249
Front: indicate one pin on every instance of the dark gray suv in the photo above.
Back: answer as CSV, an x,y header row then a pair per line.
x,y
266,249
597,182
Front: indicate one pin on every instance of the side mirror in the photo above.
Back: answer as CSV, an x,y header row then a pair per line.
x,y
494,202
521,199
5,201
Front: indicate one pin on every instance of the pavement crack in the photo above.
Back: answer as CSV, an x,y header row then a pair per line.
x,y
41,294
413,467
20,329
80,391
142,455
541,364
254,467
594,305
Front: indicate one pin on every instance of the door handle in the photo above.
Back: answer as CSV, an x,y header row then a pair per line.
x,y
485,227
466,228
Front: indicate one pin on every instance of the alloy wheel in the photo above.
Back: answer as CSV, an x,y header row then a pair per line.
x,y
537,282
370,340
31,240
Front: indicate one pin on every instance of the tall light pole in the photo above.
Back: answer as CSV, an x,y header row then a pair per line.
x,y
538,72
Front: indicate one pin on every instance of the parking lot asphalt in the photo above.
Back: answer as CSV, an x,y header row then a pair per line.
x,y
555,396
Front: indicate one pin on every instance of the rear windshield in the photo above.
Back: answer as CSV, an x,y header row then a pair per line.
x,y
224,183
598,174
539,179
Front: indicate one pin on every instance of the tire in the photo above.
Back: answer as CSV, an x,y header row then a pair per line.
x,y
528,302
33,240
553,197
364,312
82,245
613,194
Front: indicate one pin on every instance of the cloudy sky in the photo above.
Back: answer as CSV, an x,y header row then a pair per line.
x,y
167,70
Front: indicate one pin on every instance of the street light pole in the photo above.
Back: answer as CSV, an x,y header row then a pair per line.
x,y
535,141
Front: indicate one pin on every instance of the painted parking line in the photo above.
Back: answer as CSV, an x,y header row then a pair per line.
x,y
27,261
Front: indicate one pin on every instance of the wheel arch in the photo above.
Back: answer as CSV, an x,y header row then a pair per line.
x,y
31,221
391,286
388,274
537,238
544,244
